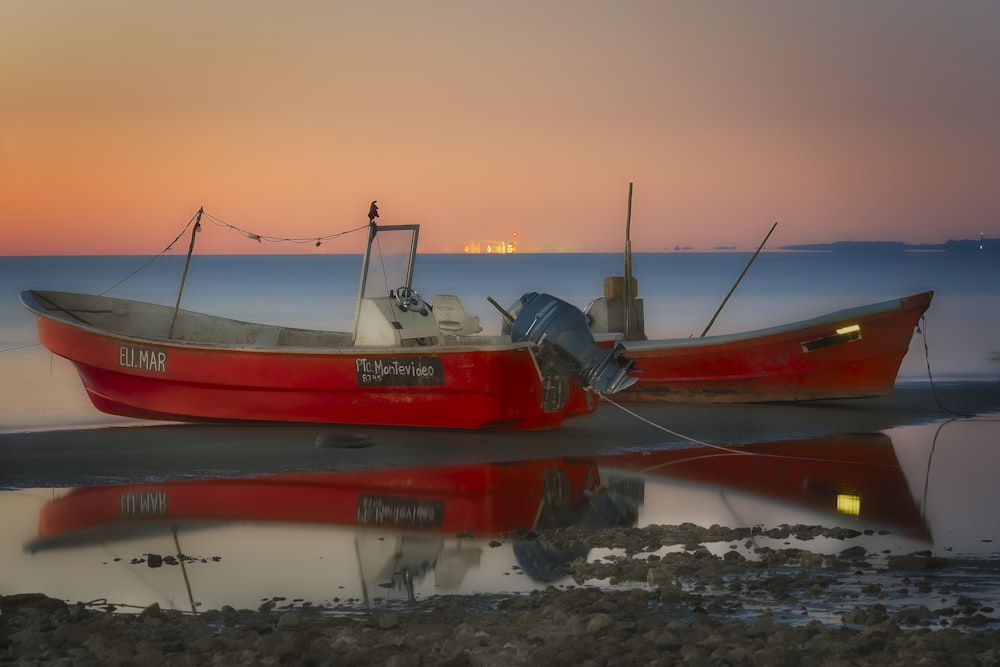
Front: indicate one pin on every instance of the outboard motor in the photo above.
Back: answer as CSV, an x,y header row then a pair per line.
x,y
565,346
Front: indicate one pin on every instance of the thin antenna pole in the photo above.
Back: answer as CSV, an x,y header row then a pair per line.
x,y
628,267
187,263
733,288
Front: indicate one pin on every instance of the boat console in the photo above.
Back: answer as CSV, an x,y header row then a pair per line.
x,y
384,322
562,345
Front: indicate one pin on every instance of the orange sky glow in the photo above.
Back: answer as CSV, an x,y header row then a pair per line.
x,y
838,120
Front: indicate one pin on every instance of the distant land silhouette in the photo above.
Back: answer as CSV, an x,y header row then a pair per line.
x,y
968,245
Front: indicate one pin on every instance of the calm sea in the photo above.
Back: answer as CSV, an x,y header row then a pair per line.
x,y
681,291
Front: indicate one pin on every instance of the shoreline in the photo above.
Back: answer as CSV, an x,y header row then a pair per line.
x,y
76,456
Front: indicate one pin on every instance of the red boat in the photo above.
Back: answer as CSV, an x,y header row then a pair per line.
x,y
406,363
853,353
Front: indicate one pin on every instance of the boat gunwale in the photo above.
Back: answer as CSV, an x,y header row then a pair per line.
x,y
450,345
892,306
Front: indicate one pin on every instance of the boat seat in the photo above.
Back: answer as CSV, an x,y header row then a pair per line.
x,y
452,319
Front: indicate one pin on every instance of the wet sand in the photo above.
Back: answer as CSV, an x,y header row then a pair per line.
x,y
79,456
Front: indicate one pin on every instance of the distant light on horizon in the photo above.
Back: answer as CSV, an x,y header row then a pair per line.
x,y
491,247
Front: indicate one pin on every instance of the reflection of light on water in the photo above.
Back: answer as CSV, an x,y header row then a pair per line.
x,y
849,503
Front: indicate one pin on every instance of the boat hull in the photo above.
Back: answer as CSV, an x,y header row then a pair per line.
x,y
854,353
440,386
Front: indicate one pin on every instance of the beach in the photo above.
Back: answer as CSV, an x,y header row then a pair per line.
x,y
830,532
638,591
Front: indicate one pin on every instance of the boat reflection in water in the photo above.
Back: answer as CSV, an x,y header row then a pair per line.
x,y
404,522
852,480
343,538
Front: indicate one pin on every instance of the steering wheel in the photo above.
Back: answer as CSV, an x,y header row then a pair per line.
x,y
408,300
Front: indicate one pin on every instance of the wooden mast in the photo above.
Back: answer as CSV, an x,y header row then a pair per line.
x,y
628,268
187,263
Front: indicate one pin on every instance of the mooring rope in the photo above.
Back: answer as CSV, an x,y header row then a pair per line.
x,y
930,376
20,347
721,450
660,427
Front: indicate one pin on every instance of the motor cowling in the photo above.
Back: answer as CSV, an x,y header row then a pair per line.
x,y
565,345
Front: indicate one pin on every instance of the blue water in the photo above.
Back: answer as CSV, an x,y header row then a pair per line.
x,y
681,292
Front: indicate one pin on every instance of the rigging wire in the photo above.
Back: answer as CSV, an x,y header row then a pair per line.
x,y
318,240
155,257
385,276
260,238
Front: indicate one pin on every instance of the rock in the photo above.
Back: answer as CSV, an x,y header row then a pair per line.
x,y
598,623
11,604
290,619
388,621
678,607
152,611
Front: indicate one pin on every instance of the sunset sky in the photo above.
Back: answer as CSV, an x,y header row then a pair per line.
x,y
860,120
